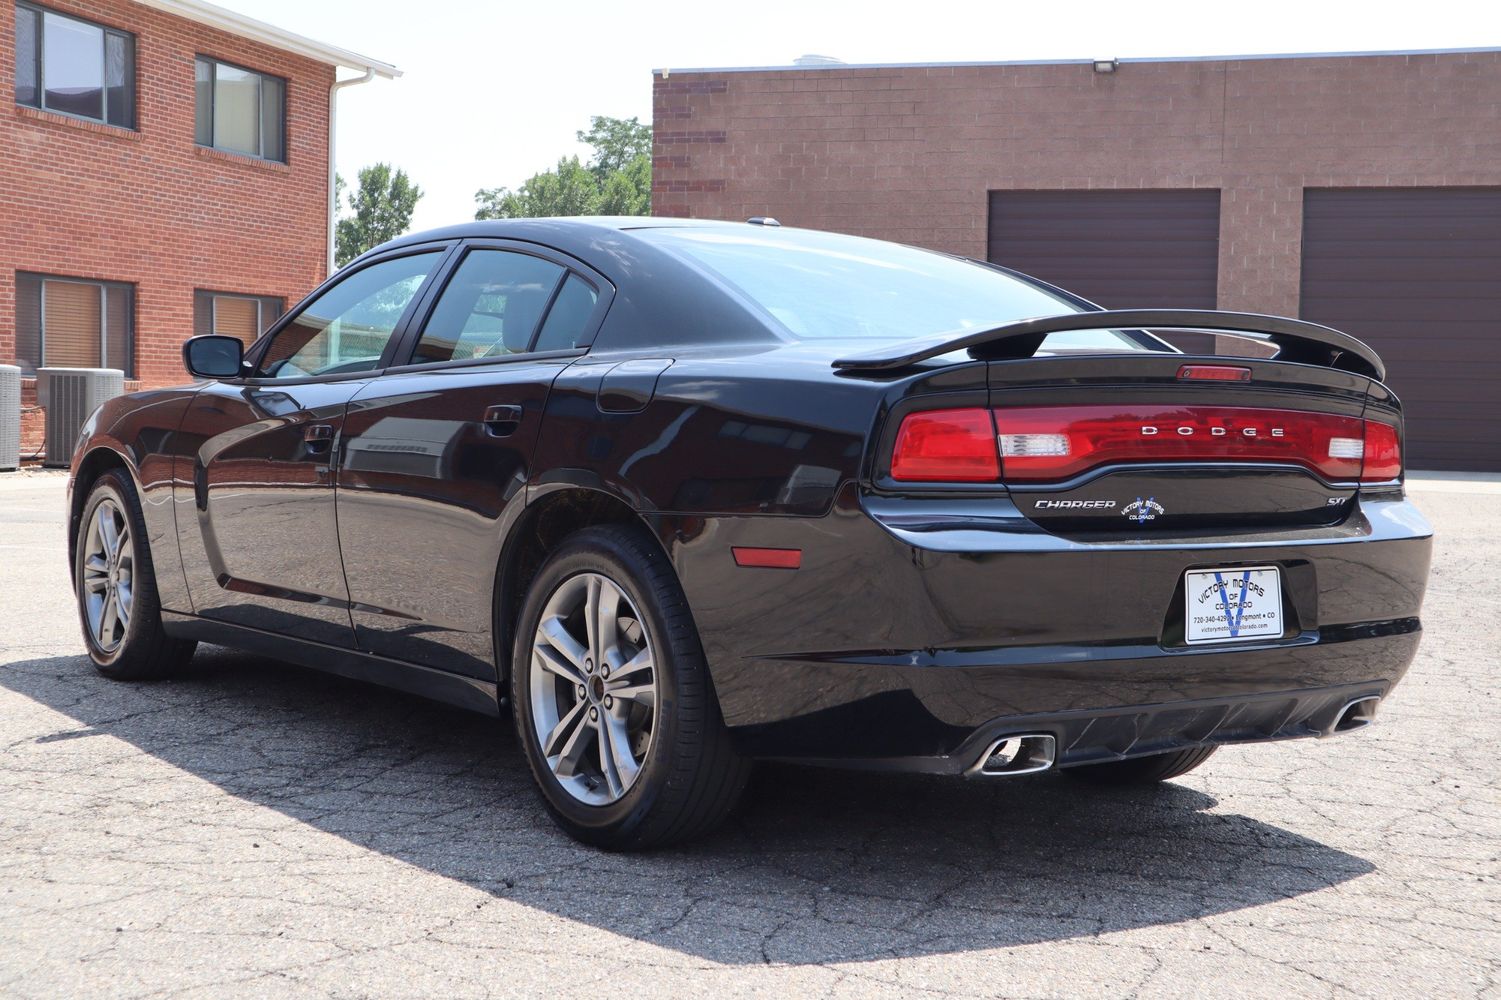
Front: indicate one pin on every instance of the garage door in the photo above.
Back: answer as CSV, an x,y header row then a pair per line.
x,y
1122,249
1416,273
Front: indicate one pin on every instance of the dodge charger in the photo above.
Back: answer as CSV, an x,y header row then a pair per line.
x,y
677,496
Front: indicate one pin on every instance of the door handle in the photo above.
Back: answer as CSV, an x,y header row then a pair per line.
x,y
502,419
318,437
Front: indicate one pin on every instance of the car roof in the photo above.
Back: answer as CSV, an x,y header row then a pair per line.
x,y
581,226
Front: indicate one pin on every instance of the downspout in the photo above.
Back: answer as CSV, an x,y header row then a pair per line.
x,y
333,121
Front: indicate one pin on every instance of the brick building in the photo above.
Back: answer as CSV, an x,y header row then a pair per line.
x,y
165,171
1361,190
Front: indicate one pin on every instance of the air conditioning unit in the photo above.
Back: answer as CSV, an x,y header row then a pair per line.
x,y
69,396
10,418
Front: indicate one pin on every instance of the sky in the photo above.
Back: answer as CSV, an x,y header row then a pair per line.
x,y
495,92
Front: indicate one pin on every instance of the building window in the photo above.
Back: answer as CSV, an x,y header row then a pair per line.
x,y
74,67
244,317
74,323
240,110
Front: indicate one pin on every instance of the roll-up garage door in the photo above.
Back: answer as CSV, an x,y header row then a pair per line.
x,y
1122,249
1416,273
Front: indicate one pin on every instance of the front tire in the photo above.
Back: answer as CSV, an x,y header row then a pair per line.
x,y
613,702
115,583
1147,770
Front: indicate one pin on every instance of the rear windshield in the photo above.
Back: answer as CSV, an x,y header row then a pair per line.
x,y
827,287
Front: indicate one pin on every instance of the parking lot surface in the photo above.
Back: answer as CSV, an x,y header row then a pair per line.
x,y
255,829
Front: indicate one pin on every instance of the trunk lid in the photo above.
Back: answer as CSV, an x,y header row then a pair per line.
x,y
1150,440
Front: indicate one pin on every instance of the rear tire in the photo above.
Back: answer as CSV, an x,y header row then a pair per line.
x,y
1143,770
114,581
612,697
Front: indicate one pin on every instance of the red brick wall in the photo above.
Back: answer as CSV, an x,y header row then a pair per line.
x,y
909,153
148,206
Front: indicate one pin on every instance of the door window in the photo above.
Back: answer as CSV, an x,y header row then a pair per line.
x,y
347,328
568,319
490,308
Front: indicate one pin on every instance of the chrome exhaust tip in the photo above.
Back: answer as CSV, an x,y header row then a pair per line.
x,y
1026,753
1356,715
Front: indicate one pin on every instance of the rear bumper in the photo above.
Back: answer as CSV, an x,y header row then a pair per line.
x,y
1100,736
914,635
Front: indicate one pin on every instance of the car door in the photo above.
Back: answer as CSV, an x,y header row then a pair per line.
x,y
436,453
258,533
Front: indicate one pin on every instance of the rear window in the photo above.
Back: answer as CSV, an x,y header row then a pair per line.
x,y
828,287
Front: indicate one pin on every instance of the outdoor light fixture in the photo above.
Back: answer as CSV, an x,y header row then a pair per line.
x,y
1106,65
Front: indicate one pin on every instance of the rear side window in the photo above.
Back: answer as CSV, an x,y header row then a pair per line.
x,y
490,308
568,319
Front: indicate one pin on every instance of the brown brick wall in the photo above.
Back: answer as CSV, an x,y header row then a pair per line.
x,y
148,206
910,153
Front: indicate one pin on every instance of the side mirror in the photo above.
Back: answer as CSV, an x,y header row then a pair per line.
x,y
213,356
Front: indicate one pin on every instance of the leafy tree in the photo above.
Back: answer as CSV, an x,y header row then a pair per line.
x,y
615,181
382,204
627,191
617,143
570,189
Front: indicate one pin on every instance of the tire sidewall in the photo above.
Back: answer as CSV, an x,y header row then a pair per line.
x,y
596,551
110,487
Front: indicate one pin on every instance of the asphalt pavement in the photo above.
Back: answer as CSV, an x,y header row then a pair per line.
x,y
255,829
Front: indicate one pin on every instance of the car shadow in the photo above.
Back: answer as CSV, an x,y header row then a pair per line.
x,y
815,866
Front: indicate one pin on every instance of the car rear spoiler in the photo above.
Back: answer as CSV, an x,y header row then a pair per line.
x,y
1296,340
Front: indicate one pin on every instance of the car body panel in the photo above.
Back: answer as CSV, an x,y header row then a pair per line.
x,y
257,528
138,433
912,623
424,484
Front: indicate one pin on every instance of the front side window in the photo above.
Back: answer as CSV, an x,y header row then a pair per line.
x,y
73,323
240,110
74,67
490,308
244,317
347,328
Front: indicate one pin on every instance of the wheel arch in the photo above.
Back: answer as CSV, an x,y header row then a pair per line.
x,y
96,462
560,511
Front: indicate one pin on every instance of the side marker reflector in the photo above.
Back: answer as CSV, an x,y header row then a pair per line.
x,y
768,558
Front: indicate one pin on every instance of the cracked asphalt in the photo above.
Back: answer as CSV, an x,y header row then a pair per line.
x,y
254,829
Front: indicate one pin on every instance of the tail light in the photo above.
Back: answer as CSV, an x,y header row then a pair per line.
x,y
1382,455
946,446
1044,444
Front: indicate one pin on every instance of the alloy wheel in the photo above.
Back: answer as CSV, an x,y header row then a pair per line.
x,y
593,688
107,577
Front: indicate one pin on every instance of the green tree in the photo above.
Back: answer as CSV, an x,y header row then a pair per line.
x,y
627,191
617,143
382,205
615,181
570,189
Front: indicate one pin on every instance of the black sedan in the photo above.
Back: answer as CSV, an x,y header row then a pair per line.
x,y
680,495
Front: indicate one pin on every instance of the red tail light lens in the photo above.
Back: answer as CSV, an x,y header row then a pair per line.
x,y
1382,453
1054,443
1048,444
946,446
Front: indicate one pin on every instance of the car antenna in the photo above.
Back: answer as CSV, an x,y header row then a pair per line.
x,y
763,220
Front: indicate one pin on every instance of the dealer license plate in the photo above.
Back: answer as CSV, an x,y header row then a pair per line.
x,y
1233,605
